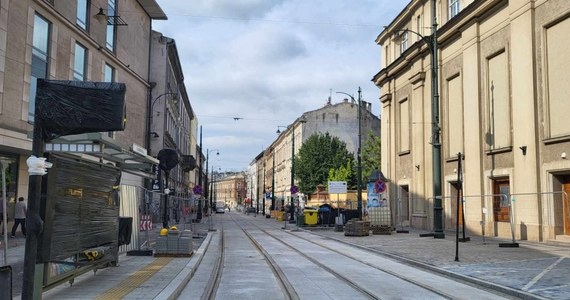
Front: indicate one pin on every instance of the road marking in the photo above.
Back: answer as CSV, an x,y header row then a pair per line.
x,y
132,282
539,276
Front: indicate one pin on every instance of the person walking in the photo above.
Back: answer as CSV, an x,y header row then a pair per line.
x,y
20,216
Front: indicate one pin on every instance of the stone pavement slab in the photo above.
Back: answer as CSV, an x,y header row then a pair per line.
x,y
534,269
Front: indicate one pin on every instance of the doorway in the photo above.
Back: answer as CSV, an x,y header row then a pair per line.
x,y
501,207
566,205
404,205
455,189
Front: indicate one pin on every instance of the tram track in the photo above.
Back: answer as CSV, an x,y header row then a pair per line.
x,y
216,275
353,272
345,278
287,288
399,275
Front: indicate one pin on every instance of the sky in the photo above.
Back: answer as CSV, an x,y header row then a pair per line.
x,y
253,65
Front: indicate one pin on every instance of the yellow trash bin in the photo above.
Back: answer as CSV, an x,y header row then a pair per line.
x,y
280,216
311,216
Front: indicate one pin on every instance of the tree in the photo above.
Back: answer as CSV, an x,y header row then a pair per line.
x,y
371,155
319,154
347,173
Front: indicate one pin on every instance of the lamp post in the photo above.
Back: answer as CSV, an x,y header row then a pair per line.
x,y
431,42
206,185
264,189
150,119
358,156
273,183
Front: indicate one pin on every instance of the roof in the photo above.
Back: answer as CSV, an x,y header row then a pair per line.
x,y
153,9
101,146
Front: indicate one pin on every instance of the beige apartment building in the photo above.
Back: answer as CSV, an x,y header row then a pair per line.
x,y
232,189
338,119
504,100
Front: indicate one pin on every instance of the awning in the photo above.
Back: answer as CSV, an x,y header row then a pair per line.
x,y
100,146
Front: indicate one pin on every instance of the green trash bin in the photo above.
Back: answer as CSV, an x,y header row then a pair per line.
x,y
311,216
300,220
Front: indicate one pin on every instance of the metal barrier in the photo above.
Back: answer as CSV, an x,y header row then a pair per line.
x,y
554,223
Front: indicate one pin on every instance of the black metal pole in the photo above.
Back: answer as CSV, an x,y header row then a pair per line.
x,y
205,187
212,188
257,193
359,160
165,212
436,155
273,184
292,204
31,288
199,213
459,183
264,188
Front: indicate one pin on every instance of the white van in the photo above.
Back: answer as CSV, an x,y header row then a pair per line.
x,y
220,207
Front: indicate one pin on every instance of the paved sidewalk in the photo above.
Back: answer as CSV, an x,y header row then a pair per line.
x,y
536,270
135,277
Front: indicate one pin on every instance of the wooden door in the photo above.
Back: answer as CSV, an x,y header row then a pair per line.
x,y
566,205
501,207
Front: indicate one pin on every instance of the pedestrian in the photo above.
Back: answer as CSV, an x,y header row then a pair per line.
x,y
20,216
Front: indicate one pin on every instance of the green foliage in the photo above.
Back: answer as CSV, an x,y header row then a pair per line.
x,y
370,155
317,156
346,172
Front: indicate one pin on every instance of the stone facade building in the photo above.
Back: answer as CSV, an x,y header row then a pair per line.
x,y
339,120
503,105
101,41
232,189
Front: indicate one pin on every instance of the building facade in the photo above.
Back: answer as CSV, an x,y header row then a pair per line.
x,y
65,40
232,189
502,105
339,120
172,122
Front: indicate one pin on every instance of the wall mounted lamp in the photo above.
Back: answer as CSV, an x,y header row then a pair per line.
x,y
103,18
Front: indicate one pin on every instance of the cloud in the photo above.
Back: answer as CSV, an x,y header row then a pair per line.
x,y
268,61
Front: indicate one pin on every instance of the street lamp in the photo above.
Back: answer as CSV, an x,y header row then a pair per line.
x,y
273,183
206,185
150,117
431,42
358,159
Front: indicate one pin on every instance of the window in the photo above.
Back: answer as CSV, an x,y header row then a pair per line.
x,y
419,27
403,41
40,46
108,73
111,29
558,90
109,76
455,116
453,8
404,125
80,63
499,103
82,14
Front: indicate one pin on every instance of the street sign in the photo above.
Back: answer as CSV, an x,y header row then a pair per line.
x,y
379,186
267,195
197,190
337,187
294,189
